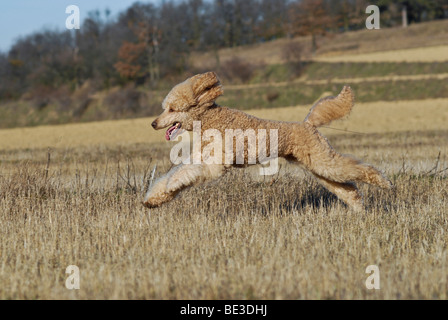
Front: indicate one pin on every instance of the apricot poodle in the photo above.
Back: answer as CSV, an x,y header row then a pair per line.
x,y
298,142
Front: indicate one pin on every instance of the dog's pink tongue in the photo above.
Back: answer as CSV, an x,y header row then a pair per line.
x,y
168,132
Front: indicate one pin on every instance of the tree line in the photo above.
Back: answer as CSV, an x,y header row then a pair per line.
x,y
148,42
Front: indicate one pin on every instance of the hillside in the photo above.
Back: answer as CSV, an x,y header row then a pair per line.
x,y
412,64
422,35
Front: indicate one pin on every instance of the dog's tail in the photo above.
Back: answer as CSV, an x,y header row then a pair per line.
x,y
331,108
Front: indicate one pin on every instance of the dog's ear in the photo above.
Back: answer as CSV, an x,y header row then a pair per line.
x,y
206,88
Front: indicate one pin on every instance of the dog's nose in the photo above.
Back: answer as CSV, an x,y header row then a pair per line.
x,y
154,124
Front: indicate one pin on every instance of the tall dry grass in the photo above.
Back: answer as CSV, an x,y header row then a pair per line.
x,y
240,237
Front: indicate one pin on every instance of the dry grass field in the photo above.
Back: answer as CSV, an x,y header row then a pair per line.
x,y
240,237
380,116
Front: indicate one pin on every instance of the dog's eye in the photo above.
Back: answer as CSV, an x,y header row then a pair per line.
x,y
170,110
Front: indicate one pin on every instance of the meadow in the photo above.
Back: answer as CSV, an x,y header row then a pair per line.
x,y
240,237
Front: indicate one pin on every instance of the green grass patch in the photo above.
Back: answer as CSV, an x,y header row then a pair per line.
x,y
273,73
325,70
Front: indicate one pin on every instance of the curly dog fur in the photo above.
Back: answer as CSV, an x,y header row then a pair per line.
x,y
301,143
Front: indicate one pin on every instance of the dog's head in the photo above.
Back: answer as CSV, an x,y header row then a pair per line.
x,y
186,102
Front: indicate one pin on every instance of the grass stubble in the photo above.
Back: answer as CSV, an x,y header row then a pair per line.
x,y
240,237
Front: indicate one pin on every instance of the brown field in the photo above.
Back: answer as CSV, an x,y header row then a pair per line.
x,y
381,116
240,237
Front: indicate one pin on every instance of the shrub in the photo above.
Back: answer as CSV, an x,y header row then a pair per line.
x,y
124,100
292,55
82,97
237,70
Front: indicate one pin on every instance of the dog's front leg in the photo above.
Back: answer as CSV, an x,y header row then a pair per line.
x,y
178,178
158,193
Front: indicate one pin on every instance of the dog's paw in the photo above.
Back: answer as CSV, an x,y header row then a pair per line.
x,y
149,205
156,200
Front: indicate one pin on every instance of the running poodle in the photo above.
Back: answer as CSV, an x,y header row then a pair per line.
x,y
301,143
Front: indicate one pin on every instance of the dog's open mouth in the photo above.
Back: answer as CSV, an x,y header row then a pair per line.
x,y
173,131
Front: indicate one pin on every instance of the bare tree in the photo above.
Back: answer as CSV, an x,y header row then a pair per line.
x,y
310,17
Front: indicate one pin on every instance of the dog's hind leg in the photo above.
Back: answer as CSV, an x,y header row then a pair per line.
x,y
341,168
315,153
347,192
177,179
